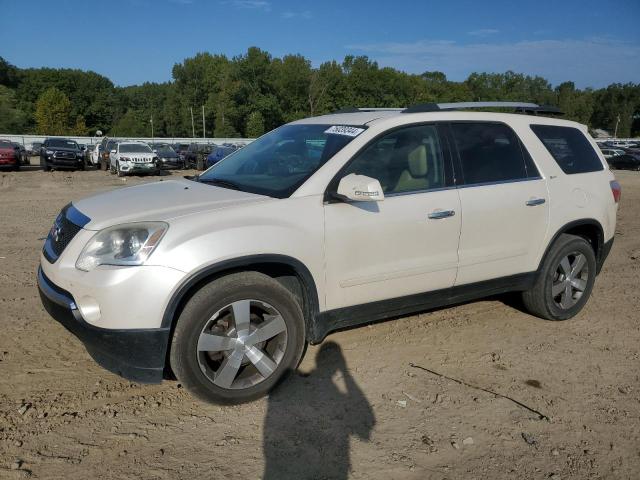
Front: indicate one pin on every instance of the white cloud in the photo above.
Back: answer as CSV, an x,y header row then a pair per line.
x,y
249,4
589,62
289,15
483,32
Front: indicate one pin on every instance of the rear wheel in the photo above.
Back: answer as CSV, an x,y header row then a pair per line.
x,y
237,337
565,281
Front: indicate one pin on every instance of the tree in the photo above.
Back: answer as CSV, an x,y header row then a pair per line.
x,y
255,125
12,119
80,128
53,110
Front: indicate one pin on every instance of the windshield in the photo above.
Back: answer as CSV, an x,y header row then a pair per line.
x,y
61,143
279,162
134,148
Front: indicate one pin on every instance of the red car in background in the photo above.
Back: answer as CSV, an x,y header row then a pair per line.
x,y
9,155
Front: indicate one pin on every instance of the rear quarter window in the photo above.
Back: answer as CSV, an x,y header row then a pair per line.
x,y
569,147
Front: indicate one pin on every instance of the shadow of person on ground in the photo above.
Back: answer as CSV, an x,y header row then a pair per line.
x,y
310,420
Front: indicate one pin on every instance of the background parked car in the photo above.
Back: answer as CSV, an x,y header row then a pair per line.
x,y
108,146
23,154
167,156
218,154
34,148
133,157
628,161
96,155
61,153
180,149
611,152
196,154
9,155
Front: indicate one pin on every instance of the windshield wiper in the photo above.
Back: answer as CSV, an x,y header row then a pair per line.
x,y
219,182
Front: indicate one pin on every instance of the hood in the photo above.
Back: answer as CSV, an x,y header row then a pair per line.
x,y
159,201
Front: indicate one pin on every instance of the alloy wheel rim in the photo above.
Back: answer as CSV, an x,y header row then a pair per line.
x,y
570,280
242,344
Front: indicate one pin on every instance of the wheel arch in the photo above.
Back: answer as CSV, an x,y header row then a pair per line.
x,y
290,272
588,228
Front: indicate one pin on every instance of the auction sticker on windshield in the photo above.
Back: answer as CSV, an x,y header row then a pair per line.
x,y
344,130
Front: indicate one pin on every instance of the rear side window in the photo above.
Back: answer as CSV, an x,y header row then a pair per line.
x,y
569,147
491,152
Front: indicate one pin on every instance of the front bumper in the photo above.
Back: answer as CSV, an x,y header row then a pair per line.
x,y
64,162
130,167
136,354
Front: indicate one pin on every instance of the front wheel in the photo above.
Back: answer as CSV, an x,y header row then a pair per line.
x,y
565,280
237,337
118,171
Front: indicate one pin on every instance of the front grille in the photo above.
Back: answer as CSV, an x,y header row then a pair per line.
x,y
64,155
60,235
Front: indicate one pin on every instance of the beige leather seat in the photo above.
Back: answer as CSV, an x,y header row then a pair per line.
x,y
414,177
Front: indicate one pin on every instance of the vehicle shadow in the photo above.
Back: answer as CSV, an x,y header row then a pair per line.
x,y
310,420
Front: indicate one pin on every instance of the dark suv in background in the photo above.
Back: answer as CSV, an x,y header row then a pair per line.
x,y
61,153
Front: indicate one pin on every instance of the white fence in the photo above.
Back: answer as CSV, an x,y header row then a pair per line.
x,y
29,139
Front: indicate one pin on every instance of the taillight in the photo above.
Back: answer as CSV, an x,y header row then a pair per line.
x,y
616,189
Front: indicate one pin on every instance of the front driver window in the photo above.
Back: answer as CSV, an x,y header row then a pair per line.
x,y
409,159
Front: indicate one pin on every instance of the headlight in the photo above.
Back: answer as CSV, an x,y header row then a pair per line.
x,y
124,159
129,244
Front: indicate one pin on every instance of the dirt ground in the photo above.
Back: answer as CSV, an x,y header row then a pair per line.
x,y
356,409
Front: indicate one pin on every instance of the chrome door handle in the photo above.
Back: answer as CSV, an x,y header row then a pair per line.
x,y
441,214
535,201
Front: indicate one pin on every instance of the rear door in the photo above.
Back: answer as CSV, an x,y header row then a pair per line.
x,y
405,244
504,201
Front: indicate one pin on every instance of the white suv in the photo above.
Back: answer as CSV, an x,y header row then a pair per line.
x,y
133,157
326,223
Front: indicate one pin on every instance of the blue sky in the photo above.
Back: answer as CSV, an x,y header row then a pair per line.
x,y
593,43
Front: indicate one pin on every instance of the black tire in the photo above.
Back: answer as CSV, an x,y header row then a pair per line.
x,y
16,167
213,297
119,172
540,301
45,166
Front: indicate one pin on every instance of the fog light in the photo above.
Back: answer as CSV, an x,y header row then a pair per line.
x,y
89,309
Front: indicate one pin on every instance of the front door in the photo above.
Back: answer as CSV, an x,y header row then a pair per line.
x,y
408,242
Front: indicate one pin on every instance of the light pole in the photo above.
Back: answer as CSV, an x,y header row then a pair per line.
x,y
615,133
204,127
152,137
193,128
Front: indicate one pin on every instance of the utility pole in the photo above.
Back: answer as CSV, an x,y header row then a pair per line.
x,y
204,127
615,133
193,129
152,137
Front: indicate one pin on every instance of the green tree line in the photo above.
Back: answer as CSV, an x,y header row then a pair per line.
x,y
250,94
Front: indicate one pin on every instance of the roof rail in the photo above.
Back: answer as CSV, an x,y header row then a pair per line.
x,y
367,109
531,108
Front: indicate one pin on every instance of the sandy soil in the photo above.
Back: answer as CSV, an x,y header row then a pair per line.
x,y
356,409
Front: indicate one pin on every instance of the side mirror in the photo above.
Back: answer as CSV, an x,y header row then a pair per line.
x,y
360,188
112,151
